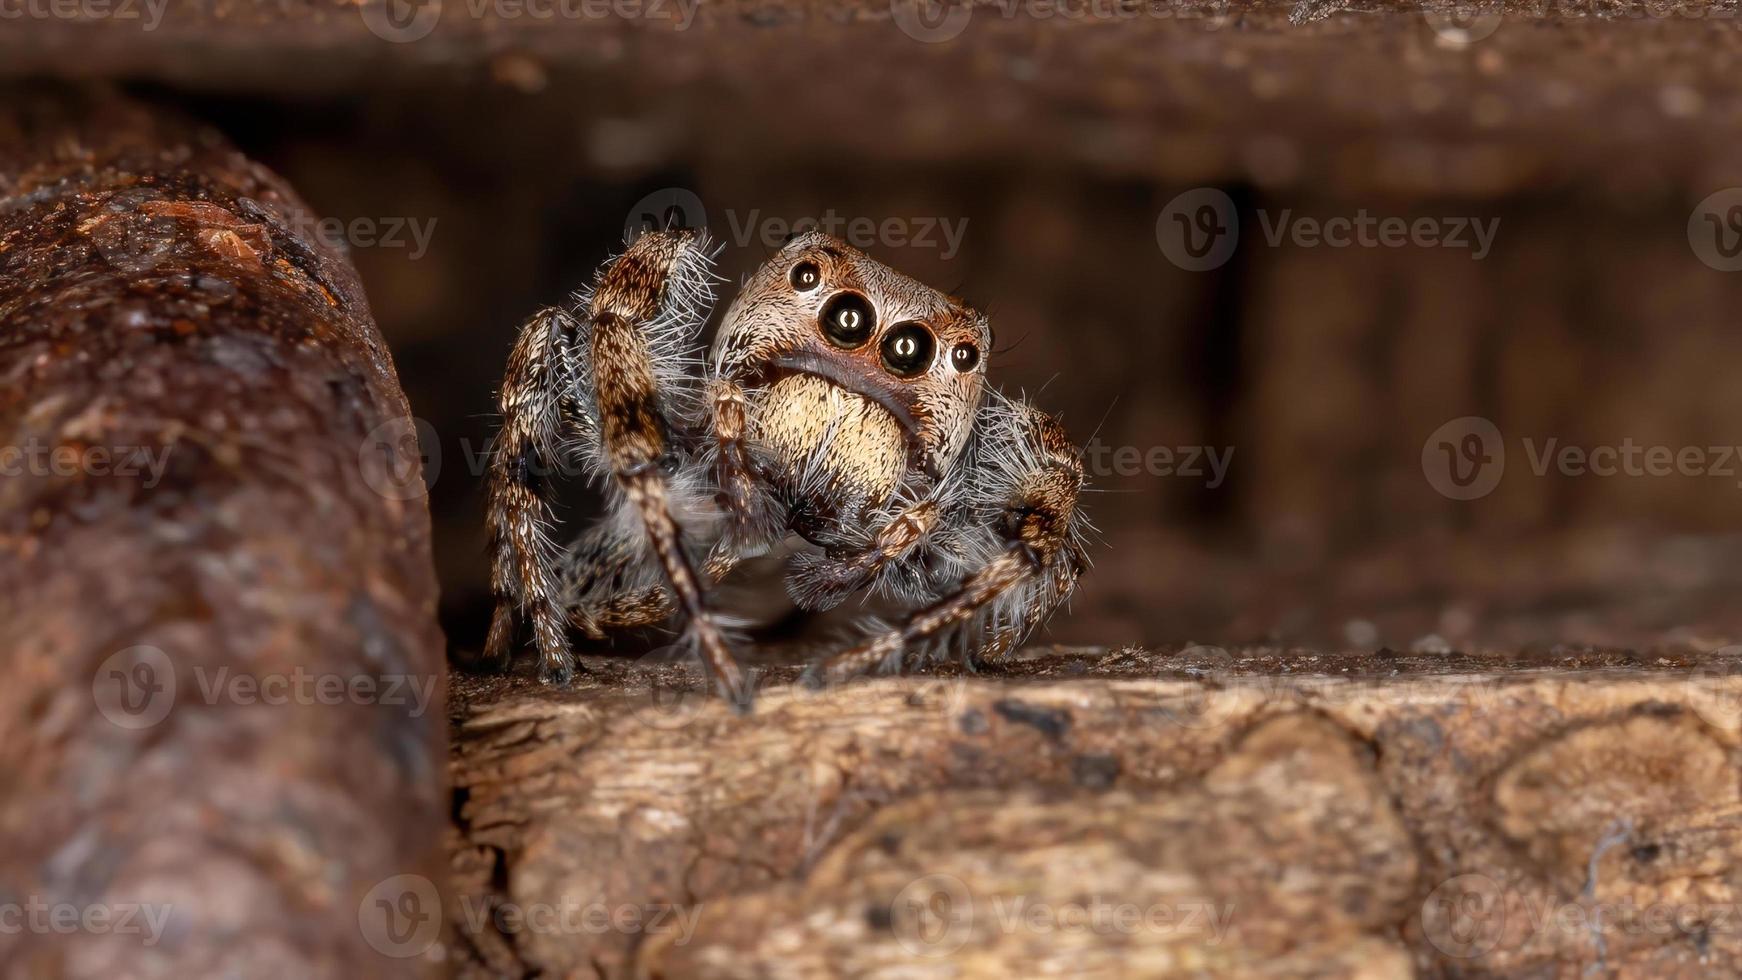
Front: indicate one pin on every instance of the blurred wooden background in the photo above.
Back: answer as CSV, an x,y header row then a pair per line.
x,y
1055,145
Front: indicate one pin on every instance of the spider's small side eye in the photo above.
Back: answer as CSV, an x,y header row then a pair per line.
x,y
964,356
848,320
805,276
907,350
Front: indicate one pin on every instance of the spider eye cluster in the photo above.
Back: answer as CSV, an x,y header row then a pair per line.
x,y
907,350
805,276
848,320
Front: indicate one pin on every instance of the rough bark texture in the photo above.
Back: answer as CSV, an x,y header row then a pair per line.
x,y
1544,813
1628,98
1126,813
221,651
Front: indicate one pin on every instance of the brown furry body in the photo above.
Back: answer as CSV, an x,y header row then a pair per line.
x,y
841,401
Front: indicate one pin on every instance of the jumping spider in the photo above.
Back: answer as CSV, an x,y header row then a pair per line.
x,y
842,402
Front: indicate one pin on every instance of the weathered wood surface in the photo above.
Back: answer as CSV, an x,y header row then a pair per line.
x,y
221,724
1627,100
1124,813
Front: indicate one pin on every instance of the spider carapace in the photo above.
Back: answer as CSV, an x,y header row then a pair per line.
x,y
842,403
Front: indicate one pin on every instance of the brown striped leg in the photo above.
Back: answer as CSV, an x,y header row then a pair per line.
x,y
1040,526
523,562
1001,640
627,297
999,575
737,485
820,583
633,609
752,520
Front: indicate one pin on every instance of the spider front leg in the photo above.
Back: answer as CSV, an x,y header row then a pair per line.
x,y
752,518
1039,555
822,581
606,584
652,282
611,375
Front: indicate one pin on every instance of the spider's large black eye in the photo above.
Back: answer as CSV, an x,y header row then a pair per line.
x,y
964,356
907,350
805,276
848,320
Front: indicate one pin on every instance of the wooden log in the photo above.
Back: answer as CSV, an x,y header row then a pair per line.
x,y
221,729
1126,813
1626,102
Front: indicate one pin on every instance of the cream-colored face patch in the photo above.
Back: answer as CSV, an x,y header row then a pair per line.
x,y
815,427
